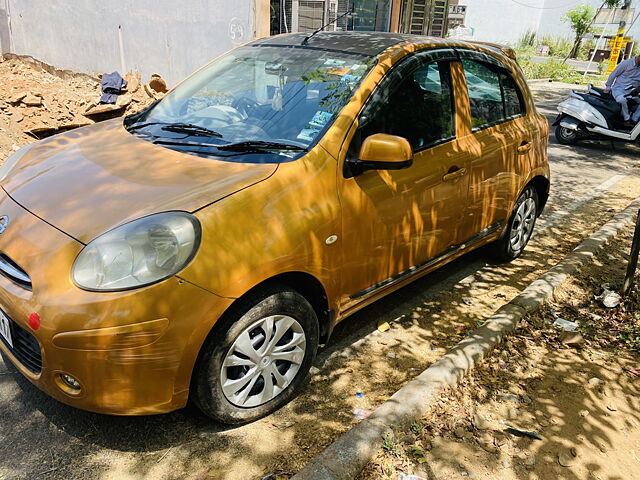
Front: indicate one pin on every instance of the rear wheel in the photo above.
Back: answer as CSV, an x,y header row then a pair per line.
x,y
258,358
516,235
566,136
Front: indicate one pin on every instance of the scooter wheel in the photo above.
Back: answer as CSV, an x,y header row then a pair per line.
x,y
566,136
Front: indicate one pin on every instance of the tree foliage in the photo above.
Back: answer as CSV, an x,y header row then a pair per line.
x,y
579,19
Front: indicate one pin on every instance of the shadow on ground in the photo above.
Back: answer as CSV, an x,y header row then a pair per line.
x,y
580,399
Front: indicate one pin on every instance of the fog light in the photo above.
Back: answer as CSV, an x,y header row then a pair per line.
x,y
70,382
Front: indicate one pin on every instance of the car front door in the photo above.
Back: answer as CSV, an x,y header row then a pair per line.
x,y
396,222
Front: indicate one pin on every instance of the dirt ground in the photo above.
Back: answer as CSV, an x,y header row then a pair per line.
x,y
361,367
581,399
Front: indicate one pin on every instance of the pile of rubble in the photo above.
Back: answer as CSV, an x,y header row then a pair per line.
x,y
132,97
37,100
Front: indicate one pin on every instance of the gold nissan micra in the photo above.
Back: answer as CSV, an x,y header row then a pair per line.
x,y
204,247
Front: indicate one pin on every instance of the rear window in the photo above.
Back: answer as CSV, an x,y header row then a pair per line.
x,y
513,104
493,94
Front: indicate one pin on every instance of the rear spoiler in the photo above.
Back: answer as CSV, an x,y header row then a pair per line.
x,y
503,49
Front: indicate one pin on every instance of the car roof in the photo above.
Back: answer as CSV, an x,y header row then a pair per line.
x,y
373,43
364,43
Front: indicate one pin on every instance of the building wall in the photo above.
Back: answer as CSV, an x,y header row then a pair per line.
x,y
504,21
551,18
151,36
172,38
175,38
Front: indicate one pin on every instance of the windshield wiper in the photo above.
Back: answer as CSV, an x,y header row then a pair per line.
x,y
258,145
135,126
189,128
192,129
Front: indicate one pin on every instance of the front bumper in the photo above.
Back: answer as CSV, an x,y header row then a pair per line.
x,y
131,352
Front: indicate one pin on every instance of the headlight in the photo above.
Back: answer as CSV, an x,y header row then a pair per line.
x,y
10,162
138,253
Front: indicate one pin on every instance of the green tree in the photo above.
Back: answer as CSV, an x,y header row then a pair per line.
x,y
579,19
605,4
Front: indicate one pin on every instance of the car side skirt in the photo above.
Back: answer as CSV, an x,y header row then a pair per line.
x,y
452,250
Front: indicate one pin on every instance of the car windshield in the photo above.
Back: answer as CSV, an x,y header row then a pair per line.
x,y
257,98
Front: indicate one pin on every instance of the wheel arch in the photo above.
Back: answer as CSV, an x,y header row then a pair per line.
x,y
541,184
312,289
301,282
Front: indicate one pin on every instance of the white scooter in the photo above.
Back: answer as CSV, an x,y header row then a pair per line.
x,y
595,114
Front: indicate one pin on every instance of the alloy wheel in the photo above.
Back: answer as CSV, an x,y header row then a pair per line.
x,y
523,222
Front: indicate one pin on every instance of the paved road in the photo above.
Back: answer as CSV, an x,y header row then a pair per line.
x,y
579,65
40,438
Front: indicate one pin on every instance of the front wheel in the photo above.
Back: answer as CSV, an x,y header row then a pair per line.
x,y
258,358
566,136
516,235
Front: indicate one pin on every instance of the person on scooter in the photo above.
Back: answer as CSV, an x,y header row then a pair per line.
x,y
625,77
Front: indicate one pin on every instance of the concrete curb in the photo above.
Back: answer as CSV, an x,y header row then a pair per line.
x,y
349,454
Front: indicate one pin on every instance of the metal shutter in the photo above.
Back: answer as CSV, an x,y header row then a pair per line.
x,y
311,15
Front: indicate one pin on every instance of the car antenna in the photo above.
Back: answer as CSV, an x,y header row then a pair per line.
x,y
309,37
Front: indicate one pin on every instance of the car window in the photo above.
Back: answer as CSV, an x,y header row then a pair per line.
x,y
494,96
513,104
417,106
485,94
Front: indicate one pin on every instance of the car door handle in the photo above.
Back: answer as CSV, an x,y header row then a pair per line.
x,y
453,175
524,147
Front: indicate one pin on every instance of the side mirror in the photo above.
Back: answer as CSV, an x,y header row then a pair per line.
x,y
382,152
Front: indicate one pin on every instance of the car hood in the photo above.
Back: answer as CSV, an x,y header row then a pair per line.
x,y
87,181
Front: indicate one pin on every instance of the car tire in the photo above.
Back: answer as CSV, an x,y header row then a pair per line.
x,y
243,371
521,223
566,136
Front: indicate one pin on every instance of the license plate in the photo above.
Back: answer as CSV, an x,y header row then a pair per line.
x,y
5,330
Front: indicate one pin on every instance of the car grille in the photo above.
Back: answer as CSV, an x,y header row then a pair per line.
x,y
25,348
13,272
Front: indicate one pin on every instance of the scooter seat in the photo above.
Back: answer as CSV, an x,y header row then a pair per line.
x,y
601,93
608,104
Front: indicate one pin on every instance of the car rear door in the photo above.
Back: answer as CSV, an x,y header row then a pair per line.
x,y
396,222
499,142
